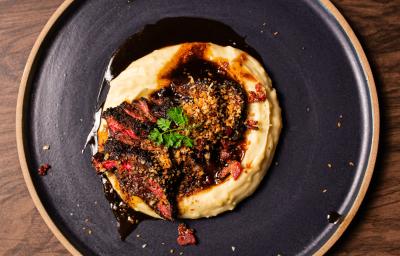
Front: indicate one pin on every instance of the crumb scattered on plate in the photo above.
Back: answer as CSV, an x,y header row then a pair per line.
x,y
43,169
185,235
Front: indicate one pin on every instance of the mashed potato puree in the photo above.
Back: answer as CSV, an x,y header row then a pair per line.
x,y
141,78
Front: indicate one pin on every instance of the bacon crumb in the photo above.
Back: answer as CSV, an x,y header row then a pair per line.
x,y
234,168
259,95
252,124
43,169
185,235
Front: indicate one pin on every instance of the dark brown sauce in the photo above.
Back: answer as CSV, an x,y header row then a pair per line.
x,y
334,217
127,218
171,31
166,32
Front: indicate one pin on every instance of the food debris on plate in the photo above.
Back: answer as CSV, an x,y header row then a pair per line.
x,y
43,169
334,217
164,150
185,235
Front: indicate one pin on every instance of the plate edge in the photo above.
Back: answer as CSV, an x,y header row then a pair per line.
x,y
19,128
330,7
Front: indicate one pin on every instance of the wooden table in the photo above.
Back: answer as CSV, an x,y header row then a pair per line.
x,y
374,231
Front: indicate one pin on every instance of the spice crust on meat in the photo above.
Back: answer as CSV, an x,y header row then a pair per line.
x,y
212,160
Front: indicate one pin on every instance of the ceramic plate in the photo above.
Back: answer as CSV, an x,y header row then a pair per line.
x,y
326,151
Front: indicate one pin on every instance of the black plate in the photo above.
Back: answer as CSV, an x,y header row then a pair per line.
x,y
320,80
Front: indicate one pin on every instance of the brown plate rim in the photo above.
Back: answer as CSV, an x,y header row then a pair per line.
x,y
327,4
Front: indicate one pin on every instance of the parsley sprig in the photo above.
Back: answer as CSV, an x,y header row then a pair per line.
x,y
169,136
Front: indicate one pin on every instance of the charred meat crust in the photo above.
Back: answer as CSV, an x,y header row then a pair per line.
x,y
120,120
140,173
212,101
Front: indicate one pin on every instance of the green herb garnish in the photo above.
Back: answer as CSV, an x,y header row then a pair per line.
x,y
176,115
168,136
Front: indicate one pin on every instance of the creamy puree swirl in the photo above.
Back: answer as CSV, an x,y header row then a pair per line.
x,y
145,75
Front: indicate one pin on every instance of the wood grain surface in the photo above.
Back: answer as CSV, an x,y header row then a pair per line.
x,y
374,231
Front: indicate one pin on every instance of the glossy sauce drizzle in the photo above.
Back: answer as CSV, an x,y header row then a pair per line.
x,y
127,218
152,37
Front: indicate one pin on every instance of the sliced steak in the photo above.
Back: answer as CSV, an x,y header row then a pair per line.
x,y
120,122
141,173
143,105
216,107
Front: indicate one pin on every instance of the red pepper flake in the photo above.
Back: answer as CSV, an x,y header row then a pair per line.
x,y
252,124
43,169
185,235
259,95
